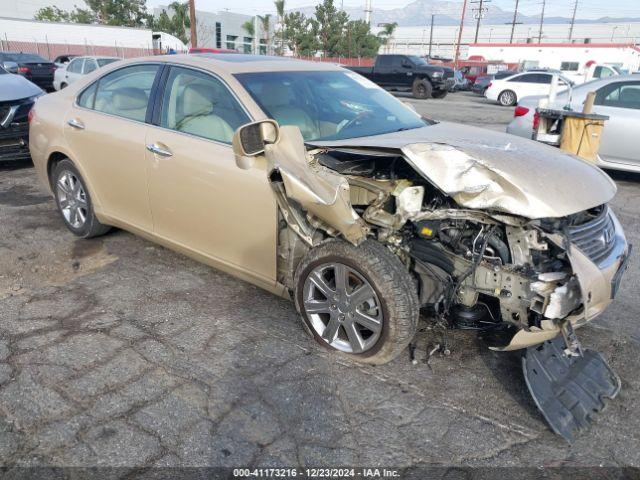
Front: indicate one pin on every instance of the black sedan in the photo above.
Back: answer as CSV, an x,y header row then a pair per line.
x,y
33,67
17,96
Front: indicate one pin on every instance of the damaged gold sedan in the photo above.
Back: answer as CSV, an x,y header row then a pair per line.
x,y
312,182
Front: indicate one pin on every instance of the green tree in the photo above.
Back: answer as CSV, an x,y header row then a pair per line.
x,y
249,28
331,27
129,13
358,41
301,34
386,34
280,34
265,26
175,22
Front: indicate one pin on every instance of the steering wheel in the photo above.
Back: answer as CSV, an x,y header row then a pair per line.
x,y
362,115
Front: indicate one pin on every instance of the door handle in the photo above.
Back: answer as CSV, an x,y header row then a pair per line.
x,y
77,124
163,152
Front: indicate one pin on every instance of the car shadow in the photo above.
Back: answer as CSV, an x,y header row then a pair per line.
x,y
15,165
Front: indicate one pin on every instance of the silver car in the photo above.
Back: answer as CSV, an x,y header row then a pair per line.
x,y
617,97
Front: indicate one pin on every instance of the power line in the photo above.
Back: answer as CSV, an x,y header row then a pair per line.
x,y
480,13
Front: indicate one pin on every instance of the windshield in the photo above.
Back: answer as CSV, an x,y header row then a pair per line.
x,y
417,61
330,105
106,61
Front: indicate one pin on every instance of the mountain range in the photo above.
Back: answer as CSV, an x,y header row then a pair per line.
x,y
418,13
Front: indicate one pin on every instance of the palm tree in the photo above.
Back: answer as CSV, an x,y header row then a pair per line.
x,y
251,31
265,22
280,11
386,34
181,14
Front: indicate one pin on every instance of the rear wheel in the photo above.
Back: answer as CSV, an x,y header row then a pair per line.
x,y
421,89
73,201
360,301
507,98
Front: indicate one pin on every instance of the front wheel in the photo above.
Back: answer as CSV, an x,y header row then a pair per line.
x,y
507,98
73,201
360,301
421,89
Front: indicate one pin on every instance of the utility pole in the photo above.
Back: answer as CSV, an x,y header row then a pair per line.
x,y
367,12
573,20
541,21
515,20
479,14
192,23
457,55
431,34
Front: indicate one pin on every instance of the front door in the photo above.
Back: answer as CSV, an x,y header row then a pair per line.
x,y
199,199
620,101
106,133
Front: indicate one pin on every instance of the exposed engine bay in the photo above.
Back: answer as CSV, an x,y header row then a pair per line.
x,y
477,264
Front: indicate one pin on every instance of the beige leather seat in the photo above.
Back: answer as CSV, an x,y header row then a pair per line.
x,y
197,115
128,102
277,99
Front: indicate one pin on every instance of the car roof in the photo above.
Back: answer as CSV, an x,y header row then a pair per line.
x,y
240,63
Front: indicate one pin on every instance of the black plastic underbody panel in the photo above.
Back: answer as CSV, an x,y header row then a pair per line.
x,y
568,390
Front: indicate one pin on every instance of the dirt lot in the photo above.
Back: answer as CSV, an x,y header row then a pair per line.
x,y
118,352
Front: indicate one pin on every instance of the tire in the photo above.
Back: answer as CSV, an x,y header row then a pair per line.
x,y
74,202
439,94
507,98
390,298
421,89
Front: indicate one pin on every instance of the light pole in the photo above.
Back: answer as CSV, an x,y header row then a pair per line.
x,y
613,32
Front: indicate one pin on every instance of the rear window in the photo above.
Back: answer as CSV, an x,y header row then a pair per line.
x,y
24,58
106,61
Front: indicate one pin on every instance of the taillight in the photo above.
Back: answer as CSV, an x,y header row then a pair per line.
x,y
23,70
32,114
536,121
520,111
489,86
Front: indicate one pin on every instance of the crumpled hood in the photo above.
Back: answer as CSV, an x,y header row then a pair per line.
x,y
15,87
487,170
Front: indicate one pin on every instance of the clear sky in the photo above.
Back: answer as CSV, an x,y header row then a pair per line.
x,y
586,8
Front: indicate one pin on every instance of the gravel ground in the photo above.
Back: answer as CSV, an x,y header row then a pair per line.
x,y
117,352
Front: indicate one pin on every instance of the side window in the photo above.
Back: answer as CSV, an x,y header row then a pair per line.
x,y
385,61
620,95
125,92
543,78
87,97
89,65
75,65
200,104
522,78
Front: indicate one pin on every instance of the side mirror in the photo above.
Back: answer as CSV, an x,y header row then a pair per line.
x,y
11,67
250,139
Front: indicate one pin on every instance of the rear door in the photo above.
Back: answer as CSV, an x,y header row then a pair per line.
x,y
105,130
621,102
199,198
74,70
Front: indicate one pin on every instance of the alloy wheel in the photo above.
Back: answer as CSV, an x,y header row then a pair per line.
x,y
342,307
72,199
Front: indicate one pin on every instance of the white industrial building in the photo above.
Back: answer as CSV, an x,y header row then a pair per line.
x,y
561,56
51,39
415,40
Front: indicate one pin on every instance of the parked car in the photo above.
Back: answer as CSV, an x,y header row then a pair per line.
x,y
409,73
78,67
618,97
315,184
481,83
508,90
33,67
63,60
17,96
